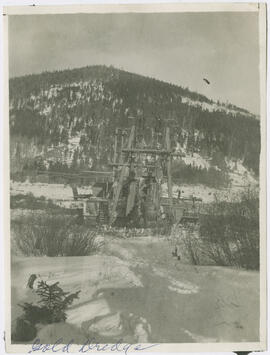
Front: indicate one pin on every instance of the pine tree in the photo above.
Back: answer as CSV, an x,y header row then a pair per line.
x,y
53,304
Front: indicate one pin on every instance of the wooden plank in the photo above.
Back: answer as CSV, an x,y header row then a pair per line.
x,y
115,152
131,197
92,172
169,168
147,151
135,165
81,173
153,152
122,144
121,179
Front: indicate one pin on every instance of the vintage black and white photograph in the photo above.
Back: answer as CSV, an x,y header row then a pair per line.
x,y
136,178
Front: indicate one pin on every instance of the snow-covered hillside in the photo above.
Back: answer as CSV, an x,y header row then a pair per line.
x,y
66,120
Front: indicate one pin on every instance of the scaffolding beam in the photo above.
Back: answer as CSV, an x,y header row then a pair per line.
x,y
121,178
153,151
135,165
169,168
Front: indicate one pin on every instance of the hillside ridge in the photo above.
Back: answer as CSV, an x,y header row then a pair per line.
x,y
57,74
66,119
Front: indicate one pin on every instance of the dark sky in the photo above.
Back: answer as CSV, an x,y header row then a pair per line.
x,y
182,48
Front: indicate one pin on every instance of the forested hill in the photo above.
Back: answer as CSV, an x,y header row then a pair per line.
x,y
67,118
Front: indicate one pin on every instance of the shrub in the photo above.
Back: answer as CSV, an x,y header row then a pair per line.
x,y
187,239
31,202
230,232
52,309
54,303
80,242
228,235
42,234
53,234
54,300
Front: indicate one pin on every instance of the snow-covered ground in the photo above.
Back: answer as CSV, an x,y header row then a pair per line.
x,y
207,194
49,191
136,291
196,160
214,106
62,194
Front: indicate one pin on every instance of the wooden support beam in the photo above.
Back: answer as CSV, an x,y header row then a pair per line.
x,y
147,151
81,174
121,179
178,155
115,150
93,172
153,152
169,168
121,147
135,165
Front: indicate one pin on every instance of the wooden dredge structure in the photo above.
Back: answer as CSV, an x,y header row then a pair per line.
x,y
131,193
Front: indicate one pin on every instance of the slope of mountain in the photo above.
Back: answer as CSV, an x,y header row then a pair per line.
x,y
66,120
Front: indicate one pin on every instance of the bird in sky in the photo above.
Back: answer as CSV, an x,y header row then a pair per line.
x,y
207,81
